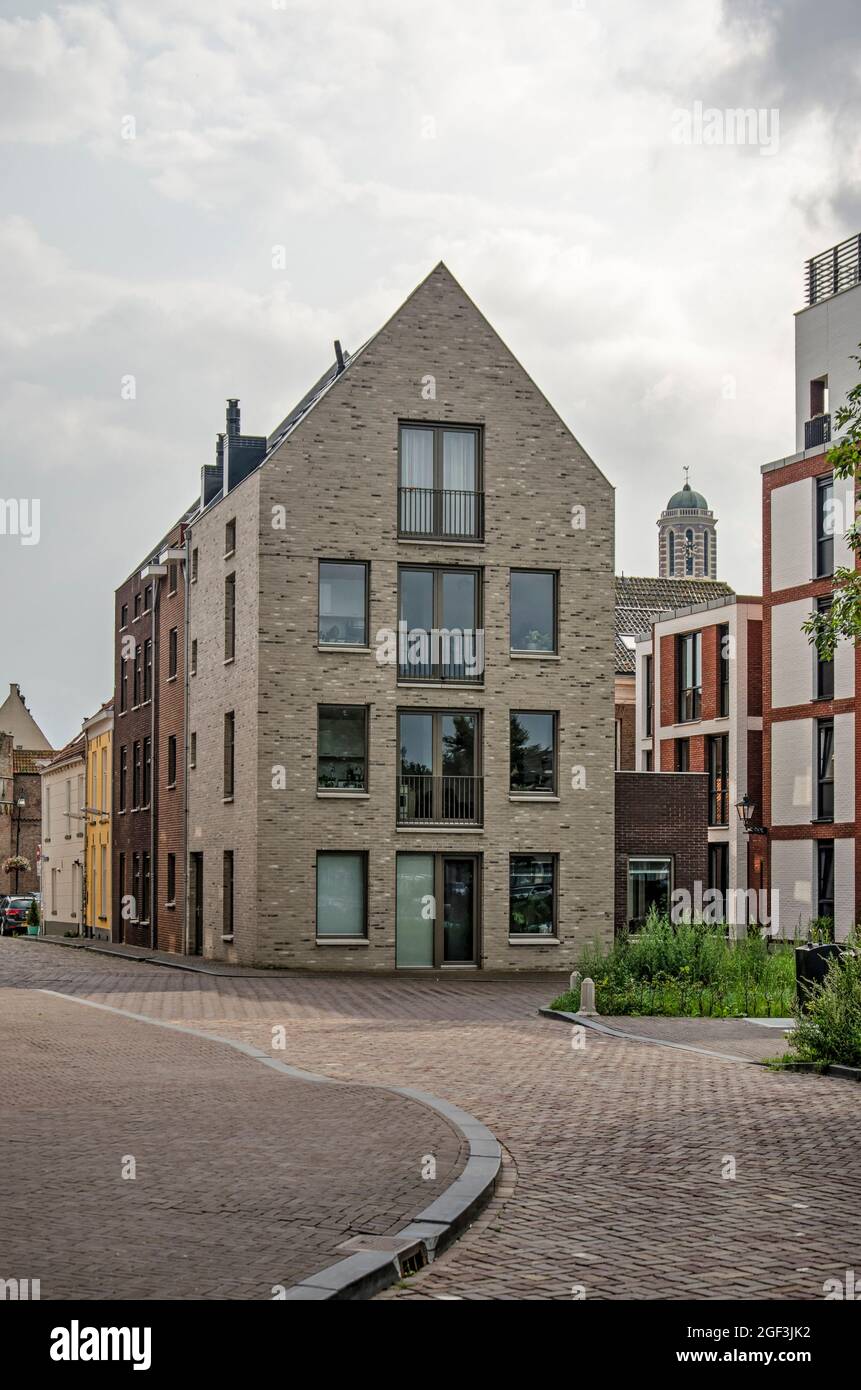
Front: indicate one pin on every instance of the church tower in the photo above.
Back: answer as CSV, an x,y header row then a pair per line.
x,y
687,537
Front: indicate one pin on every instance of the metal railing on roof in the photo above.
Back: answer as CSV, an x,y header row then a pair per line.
x,y
838,268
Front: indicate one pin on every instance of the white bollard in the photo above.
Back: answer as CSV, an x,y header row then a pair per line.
x,y
587,999
574,982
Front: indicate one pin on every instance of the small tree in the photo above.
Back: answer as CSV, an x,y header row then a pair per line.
x,y
842,621
33,918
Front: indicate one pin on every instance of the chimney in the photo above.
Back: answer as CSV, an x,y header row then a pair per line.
x,y
339,353
212,474
232,418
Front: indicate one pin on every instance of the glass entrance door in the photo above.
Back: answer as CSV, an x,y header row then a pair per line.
x,y
458,944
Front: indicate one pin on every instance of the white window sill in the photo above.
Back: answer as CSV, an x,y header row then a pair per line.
x,y
229,660
342,941
171,679
227,938
227,801
535,656
440,829
339,795
341,647
531,796
535,940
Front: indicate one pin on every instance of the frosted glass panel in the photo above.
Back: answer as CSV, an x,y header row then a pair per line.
x,y
415,921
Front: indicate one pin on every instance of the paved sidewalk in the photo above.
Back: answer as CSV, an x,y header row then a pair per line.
x,y
245,1178
635,1171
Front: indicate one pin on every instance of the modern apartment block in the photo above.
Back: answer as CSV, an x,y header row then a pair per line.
x,y
149,753
400,713
699,710
810,717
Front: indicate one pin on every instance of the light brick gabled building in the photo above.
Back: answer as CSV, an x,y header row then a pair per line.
x,y
362,798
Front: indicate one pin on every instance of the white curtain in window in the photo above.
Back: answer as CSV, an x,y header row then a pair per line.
x,y
417,472
458,480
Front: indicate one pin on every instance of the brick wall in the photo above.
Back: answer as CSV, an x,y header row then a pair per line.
x,y
626,714
661,814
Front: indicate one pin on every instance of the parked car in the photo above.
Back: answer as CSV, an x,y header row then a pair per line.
x,y
13,917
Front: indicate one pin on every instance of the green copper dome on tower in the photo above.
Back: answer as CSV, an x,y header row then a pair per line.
x,y
686,500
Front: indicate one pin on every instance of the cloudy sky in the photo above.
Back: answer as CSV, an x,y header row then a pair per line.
x,y
155,154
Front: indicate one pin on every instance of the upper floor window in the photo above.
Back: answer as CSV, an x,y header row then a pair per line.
x,y
123,777
230,537
172,652
137,602
440,637
689,552
719,779
124,615
438,777
343,603
533,611
689,667
171,577
171,760
194,565
229,753
230,617
649,694
671,552
724,645
683,755
533,752
824,669
147,598
147,772
147,669
136,776
439,490
194,657
342,751
825,769
706,554
824,526
124,684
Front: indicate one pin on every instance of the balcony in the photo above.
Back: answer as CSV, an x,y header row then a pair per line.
x,y
817,431
445,801
836,269
428,513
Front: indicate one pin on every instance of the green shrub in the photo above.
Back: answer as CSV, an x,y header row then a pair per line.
x,y
687,969
829,1028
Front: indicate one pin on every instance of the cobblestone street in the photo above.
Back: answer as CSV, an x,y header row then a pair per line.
x,y
616,1154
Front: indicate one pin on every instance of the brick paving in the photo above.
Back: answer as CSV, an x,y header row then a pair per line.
x,y
615,1153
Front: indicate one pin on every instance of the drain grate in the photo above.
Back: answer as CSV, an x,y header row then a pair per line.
x,y
411,1255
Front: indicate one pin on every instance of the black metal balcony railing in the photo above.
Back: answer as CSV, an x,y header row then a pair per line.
x,y
817,431
440,514
833,270
444,654
426,800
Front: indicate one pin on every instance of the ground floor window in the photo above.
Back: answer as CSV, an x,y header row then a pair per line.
x,y
532,895
437,912
719,868
650,883
341,894
227,896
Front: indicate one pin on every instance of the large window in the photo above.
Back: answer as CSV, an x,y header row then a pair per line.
x,y
342,751
439,633
124,771
341,894
824,669
171,760
824,526
825,878
172,652
439,491
689,674
825,769
439,778
533,611
343,604
532,895
533,752
650,884
229,753
719,779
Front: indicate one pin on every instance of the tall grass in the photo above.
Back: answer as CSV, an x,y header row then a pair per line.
x,y
688,969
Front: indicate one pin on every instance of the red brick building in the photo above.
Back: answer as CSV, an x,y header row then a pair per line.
x,y
699,710
149,750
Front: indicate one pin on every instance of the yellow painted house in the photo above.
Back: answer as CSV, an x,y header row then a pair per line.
x,y
98,734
